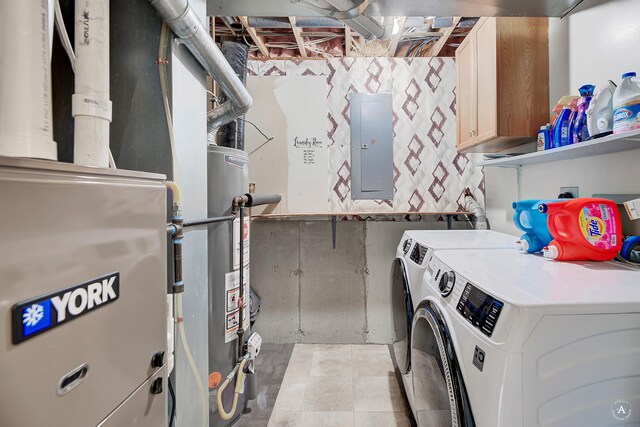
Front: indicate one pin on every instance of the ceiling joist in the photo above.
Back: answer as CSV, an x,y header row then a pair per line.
x,y
298,36
254,36
437,46
393,43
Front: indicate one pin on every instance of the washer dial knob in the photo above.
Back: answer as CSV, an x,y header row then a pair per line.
x,y
447,281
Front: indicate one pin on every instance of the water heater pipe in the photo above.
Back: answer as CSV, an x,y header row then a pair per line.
x,y
90,104
26,128
186,25
239,370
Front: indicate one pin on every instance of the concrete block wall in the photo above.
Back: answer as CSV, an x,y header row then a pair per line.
x,y
312,293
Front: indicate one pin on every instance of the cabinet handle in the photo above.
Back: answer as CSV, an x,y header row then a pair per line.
x,y
470,133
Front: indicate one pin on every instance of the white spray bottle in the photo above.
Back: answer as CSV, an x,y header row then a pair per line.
x,y
600,111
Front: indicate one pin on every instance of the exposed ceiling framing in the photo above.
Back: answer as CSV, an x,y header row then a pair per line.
x,y
304,38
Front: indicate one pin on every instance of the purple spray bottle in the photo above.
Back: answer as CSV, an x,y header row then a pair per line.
x,y
580,129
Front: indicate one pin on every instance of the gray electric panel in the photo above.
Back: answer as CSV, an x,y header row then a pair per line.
x,y
371,146
83,297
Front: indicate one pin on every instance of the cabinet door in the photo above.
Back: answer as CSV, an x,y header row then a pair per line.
x,y
487,84
466,91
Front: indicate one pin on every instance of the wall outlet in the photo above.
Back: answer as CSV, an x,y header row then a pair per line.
x,y
573,190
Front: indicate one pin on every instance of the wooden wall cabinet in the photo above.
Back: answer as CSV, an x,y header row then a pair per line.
x,y
503,83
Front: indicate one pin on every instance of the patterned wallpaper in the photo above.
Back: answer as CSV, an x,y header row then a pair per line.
x,y
429,174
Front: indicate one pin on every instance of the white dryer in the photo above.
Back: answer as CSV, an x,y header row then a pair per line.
x,y
503,339
412,256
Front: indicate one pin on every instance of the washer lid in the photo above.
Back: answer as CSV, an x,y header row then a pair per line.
x,y
531,280
461,239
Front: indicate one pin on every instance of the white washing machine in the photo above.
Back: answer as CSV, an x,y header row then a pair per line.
x,y
412,256
504,339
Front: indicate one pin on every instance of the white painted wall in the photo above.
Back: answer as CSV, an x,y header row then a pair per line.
x,y
190,132
596,43
298,172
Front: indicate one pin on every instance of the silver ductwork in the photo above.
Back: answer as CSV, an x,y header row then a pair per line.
x,y
475,208
351,14
186,25
301,22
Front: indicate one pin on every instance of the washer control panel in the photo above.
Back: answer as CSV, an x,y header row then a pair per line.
x,y
479,308
418,254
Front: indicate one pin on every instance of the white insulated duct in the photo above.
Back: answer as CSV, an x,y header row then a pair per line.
x,y
26,125
91,107
185,24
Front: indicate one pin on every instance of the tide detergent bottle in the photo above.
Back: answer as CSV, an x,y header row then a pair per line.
x,y
582,229
528,218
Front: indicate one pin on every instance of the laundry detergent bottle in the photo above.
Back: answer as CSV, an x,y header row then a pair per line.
x,y
582,229
561,132
580,130
528,218
626,105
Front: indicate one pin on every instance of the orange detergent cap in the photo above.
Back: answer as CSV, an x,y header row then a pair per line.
x,y
214,379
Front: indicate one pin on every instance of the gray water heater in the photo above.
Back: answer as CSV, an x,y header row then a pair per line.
x,y
228,176
82,296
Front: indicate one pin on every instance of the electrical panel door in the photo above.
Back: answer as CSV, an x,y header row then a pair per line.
x,y
371,146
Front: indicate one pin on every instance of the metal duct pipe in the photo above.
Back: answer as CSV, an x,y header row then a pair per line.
x,y
186,25
474,207
318,22
365,25
232,23
269,22
302,22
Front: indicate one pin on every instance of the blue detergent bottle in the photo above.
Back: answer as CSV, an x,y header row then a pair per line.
x,y
562,134
580,131
529,219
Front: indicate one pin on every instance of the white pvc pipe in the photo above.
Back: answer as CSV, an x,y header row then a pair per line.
x,y
91,107
26,128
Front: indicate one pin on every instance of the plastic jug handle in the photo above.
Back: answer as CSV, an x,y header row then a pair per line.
x,y
516,220
556,223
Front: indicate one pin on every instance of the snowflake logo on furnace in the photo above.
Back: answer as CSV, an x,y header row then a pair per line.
x,y
32,315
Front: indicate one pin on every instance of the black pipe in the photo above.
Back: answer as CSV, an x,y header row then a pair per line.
x,y
262,199
206,221
241,274
178,285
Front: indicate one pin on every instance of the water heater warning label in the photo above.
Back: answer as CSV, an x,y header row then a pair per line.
x,y
236,243
232,311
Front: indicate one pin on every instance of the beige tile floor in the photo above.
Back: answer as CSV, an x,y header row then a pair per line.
x,y
340,385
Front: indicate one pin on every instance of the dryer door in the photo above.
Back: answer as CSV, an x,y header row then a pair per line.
x,y
402,314
440,397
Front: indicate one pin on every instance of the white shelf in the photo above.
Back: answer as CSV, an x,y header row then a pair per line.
x,y
606,145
